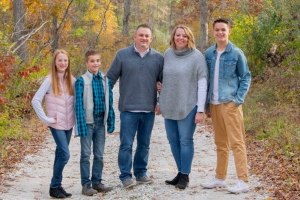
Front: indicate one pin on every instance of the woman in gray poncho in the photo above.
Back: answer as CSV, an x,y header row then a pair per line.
x,y
182,99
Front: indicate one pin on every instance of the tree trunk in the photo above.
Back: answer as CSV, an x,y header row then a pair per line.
x,y
203,25
20,30
125,30
55,37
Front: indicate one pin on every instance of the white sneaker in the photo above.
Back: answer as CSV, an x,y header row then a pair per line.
x,y
213,183
239,187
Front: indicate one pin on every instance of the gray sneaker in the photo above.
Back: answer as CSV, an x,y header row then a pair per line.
x,y
128,183
100,187
88,191
144,180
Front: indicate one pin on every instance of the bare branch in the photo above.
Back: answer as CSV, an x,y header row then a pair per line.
x,y
102,22
65,15
26,37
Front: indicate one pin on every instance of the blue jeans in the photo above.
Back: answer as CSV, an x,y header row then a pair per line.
x,y
180,135
132,123
62,154
96,134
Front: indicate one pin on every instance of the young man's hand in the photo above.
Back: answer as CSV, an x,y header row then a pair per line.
x,y
207,112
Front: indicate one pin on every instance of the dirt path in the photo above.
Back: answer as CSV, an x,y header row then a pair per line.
x,y
32,179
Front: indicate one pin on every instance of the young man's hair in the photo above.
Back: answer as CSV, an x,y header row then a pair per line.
x,y
143,26
90,52
223,20
189,34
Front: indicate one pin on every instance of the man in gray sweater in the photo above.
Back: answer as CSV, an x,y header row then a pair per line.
x,y
139,67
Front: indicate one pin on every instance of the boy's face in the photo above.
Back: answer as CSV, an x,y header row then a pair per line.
x,y
221,32
93,63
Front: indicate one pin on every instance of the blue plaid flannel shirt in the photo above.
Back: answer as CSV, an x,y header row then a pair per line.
x,y
99,104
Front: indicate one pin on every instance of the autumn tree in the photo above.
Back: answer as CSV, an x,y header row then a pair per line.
x,y
203,25
20,29
125,29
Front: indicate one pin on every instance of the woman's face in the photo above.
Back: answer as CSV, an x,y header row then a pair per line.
x,y
180,39
61,62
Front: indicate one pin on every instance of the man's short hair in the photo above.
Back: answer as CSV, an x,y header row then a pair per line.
x,y
143,26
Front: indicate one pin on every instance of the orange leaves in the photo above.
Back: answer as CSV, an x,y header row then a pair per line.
x,y
6,68
279,174
26,73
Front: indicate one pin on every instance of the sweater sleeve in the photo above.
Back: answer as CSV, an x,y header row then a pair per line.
x,y
38,99
111,113
202,89
115,70
79,110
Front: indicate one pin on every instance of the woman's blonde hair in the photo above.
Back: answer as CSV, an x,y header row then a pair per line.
x,y
189,34
56,90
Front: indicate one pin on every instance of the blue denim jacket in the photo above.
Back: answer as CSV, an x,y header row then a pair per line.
x,y
234,74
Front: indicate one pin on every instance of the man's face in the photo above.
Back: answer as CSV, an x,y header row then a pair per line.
x,y
221,32
142,38
93,63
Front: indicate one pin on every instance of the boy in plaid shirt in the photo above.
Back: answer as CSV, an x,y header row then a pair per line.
x,y
93,109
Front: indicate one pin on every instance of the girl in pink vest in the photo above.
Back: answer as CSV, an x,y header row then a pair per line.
x,y
58,90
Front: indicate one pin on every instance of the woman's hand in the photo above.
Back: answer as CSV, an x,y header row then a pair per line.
x,y
157,109
199,118
158,86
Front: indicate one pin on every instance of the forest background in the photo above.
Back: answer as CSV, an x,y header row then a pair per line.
x,y
268,31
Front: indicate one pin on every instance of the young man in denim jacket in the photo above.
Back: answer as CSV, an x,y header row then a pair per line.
x,y
229,82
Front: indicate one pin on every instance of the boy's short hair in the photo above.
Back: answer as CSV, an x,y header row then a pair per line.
x,y
223,20
91,52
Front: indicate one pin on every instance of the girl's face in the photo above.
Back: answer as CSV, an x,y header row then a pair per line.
x,y
180,39
61,62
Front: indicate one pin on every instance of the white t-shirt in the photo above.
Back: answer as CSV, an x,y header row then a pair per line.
x,y
215,93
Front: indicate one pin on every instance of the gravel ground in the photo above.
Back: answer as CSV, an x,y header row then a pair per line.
x,y
32,179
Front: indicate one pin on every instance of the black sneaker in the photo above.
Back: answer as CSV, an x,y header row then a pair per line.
x,y
56,193
64,192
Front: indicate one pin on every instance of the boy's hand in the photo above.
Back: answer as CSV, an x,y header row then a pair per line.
x,y
110,129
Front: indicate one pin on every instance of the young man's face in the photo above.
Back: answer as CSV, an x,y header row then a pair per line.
x,y
93,63
221,32
142,38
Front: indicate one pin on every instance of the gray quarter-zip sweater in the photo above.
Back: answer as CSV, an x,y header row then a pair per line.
x,y
138,76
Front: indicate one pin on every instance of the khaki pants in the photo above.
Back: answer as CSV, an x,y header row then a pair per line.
x,y
229,131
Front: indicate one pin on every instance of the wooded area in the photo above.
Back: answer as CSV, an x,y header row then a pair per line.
x,y
268,31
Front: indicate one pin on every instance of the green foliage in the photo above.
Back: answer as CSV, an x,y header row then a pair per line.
x,y
271,38
9,127
272,109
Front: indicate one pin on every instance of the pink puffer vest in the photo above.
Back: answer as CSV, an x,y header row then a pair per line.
x,y
61,107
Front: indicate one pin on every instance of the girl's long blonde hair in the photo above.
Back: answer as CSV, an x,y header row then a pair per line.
x,y
56,90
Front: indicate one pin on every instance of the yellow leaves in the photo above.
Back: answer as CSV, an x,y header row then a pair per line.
x,y
5,5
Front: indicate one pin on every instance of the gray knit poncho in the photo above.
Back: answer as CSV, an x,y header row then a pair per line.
x,y
182,70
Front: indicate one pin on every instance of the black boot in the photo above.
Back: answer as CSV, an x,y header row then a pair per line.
x,y
175,180
183,181
56,193
64,192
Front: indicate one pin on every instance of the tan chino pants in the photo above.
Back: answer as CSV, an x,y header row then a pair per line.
x,y
229,131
